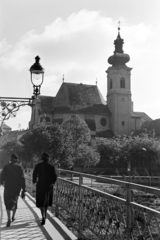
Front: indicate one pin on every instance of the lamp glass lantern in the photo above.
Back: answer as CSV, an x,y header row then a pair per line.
x,y
37,76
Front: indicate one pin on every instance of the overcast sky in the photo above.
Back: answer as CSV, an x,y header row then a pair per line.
x,y
75,38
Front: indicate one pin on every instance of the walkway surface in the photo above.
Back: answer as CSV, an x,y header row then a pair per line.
x,y
27,223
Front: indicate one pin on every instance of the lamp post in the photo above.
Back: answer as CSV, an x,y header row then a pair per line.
x,y
10,105
37,76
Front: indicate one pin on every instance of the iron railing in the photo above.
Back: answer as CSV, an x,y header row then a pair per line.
x,y
103,208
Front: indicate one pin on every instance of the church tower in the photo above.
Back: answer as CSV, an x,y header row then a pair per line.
x,y
119,89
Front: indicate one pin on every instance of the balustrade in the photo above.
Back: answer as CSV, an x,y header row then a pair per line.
x,y
89,207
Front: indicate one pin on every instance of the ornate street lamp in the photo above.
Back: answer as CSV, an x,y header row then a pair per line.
x,y
10,105
37,76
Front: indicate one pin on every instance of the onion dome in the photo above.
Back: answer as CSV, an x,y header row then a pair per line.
x,y
118,58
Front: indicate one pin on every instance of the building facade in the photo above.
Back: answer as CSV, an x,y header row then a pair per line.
x,y
5,128
116,117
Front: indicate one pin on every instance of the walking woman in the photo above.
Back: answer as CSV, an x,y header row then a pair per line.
x,y
12,178
45,176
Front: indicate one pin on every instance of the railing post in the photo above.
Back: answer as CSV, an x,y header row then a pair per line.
x,y
150,180
56,185
31,186
72,177
129,197
80,206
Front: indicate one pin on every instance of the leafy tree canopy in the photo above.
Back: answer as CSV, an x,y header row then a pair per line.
x,y
76,141
140,151
44,138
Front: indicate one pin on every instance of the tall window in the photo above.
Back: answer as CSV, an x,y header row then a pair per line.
x,y
111,84
123,123
122,82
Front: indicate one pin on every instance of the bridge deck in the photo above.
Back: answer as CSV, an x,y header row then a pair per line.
x,y
27,223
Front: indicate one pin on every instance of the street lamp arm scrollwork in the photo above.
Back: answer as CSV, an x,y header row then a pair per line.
x,y
10,105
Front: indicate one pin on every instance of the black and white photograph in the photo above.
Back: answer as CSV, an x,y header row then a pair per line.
x,y
79,120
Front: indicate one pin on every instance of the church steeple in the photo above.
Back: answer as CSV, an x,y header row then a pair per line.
x,y
118,42
119,89
119,58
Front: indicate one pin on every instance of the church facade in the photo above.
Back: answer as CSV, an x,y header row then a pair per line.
x,y
116,117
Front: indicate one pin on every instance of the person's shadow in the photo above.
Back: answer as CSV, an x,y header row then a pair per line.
x,y
23,225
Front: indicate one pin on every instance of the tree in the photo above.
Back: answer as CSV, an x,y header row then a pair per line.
x,y
54,137
76,142
138,152
109,150
9,144
129,152
44,138
87,156
143,151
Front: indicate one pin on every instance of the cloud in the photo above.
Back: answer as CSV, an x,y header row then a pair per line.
x,y
81,39
77,47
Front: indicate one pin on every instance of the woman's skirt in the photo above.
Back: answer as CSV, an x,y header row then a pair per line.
x,y
10,198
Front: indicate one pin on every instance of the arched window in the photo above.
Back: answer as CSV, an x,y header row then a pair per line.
x,y
111,85
123,123
122,82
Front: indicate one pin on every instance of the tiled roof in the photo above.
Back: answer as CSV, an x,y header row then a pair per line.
x,y
6,126
96,109
99,109
62,110
77,96
46,103
141,115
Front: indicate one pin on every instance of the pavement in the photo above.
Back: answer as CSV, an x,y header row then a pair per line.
x,y
27,223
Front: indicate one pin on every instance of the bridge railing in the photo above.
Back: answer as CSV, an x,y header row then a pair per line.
x,y
96,207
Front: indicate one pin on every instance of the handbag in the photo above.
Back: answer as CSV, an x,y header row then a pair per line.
x,y
23,194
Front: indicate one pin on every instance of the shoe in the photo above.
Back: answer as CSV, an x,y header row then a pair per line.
x,y
43,221
8,223
13,219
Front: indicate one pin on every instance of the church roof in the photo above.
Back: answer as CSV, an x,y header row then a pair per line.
x,y
46,103
96,109
5,126
141,115
78,96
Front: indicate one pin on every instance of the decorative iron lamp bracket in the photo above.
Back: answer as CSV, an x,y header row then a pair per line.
x,y
9,107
